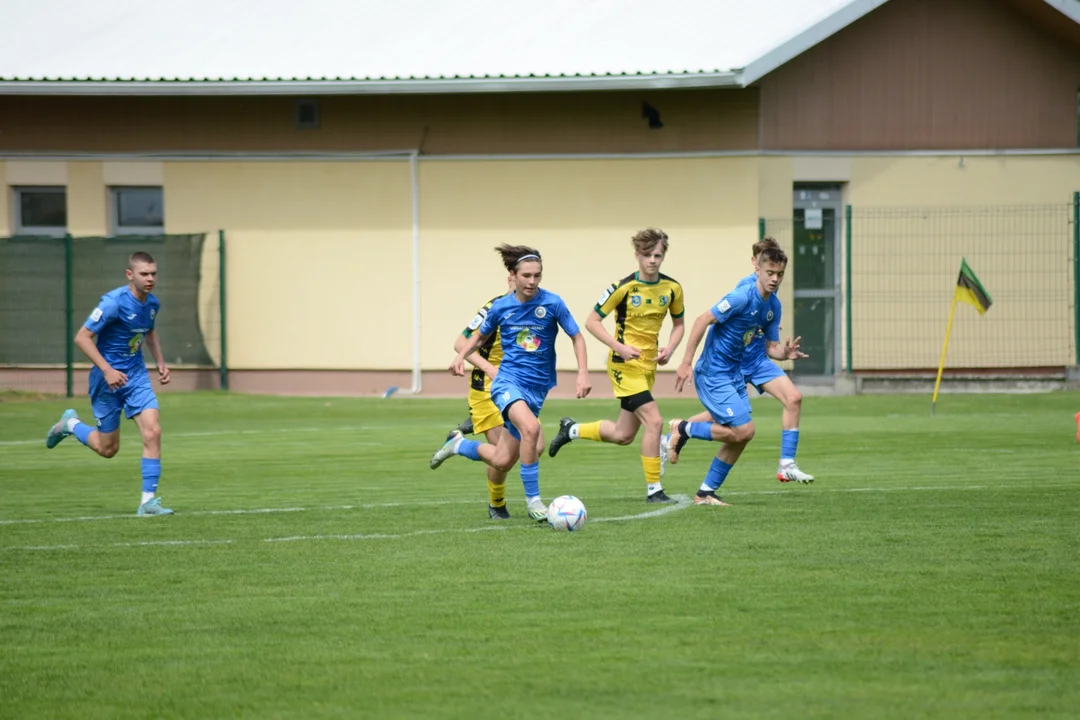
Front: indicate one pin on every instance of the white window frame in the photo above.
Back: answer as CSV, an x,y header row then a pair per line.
x,y
114,212
18,227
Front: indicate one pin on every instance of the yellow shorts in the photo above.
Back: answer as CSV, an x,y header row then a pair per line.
x,y
629,379
485,415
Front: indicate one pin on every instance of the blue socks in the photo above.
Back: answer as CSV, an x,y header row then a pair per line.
x,y
530,478
718,472
469,449
789,442
699,430
82,433
151,473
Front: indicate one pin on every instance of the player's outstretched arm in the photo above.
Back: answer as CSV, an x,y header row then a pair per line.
x,y
581,352
475,359
154,343
788,351
697,333
595,325
457,367
84,340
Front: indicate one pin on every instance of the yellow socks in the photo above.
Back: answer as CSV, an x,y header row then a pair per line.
x,y
591,431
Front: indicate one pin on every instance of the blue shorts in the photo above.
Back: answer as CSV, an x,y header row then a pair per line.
x,y
760,371
505,393
724,398
134,397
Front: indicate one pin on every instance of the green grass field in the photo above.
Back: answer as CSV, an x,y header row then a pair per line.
x,y
317,568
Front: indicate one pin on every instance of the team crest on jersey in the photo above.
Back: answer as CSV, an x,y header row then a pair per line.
x,y
749,335
769,316
635,300
663,300
724,306
153,312
528,341
540,312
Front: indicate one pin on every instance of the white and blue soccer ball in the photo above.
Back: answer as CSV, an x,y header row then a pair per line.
x,y
567,513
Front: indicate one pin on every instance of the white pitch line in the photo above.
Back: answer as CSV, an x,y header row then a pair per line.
x,y
681,502
144,543
660,511
269,431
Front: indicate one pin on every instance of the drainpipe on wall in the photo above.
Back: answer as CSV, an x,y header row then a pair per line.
x,y
414,179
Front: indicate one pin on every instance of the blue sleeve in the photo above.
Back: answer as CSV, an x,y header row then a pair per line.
x,y
566,320
729,306
772,328
106,311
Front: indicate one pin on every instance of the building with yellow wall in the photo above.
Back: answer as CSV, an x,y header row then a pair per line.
x,y
362,187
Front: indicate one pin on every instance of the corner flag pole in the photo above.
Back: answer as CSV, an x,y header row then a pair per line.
x,y
944,349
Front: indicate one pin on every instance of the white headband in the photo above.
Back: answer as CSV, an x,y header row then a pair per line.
x,y
526,257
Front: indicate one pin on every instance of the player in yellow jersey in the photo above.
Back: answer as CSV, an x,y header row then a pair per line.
x,y
484,418
640,303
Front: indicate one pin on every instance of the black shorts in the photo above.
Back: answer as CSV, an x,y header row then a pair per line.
x,y
630,403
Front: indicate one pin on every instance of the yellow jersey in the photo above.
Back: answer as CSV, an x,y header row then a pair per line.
x,y
639,309
491,350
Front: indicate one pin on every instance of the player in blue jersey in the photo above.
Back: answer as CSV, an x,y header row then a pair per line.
x,y
121,323
767,377
728,327
527,321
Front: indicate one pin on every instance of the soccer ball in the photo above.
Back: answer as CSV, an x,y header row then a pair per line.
x,y
567,513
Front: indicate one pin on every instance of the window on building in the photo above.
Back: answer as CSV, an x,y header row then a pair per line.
x,y
307,114
40,211
137,210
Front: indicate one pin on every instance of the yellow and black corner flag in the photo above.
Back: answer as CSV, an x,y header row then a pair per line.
x,y
970,290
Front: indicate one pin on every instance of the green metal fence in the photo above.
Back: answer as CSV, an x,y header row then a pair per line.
x,y
896,271
48,286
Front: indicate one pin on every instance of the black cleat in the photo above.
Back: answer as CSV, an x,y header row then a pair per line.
x,y
465,427
498,513
658,497
562,437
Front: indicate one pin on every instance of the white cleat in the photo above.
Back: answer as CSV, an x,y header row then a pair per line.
x,y
538,511
664,440
447,450
790,472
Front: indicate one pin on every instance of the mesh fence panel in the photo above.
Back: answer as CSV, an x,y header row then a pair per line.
x,y
33,327
904,267
905,263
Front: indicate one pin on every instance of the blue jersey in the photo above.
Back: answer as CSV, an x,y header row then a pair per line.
x,y
121,322
739,316
755,351
528,333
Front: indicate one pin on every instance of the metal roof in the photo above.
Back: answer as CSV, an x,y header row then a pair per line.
x,y
417,46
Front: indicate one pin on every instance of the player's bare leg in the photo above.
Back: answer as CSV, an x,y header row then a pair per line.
x,y
721,465
149,424
789,396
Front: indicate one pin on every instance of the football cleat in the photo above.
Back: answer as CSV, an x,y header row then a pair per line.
x,y
446,451
658,497
498,513
562,437
676,441
153,507
59,431
709,498
465,427
538,511
790,472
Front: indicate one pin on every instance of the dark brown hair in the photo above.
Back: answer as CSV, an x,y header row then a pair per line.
x,y
140,257
772,255
512,255
766,242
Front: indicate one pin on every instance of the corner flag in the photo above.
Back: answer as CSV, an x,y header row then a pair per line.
x,y
968,290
